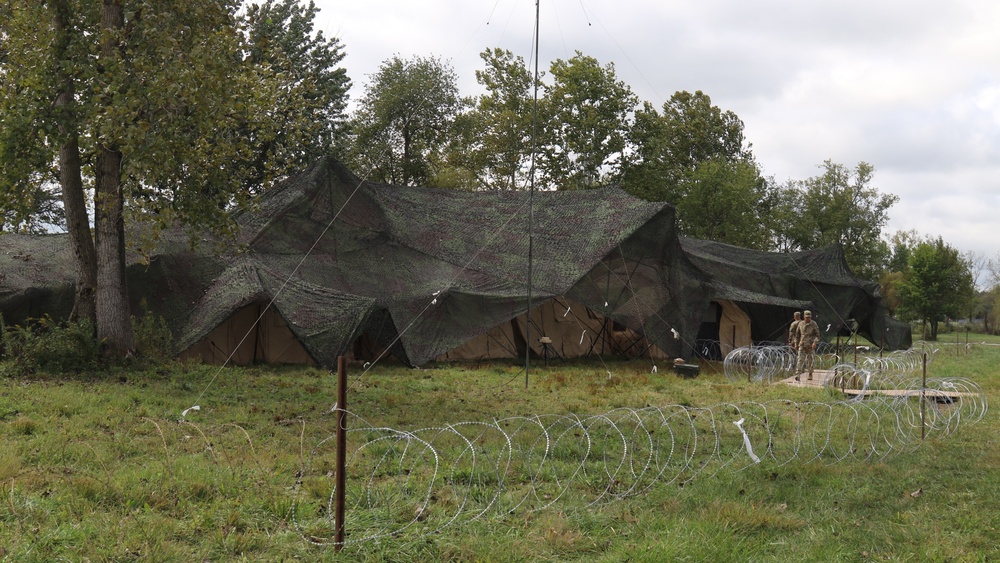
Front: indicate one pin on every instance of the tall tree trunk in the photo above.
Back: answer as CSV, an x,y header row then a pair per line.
x,y
114,324
75,206
406,155
71,179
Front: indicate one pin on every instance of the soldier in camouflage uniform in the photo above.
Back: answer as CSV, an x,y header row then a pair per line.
x,y
808,340
793,330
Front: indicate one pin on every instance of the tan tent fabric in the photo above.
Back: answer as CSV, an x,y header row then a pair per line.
x,y
734,328
574,330
270,341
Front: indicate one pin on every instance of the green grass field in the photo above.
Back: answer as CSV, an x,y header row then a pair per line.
x,y
103,467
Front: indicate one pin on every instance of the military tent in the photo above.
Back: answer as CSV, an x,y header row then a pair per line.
x,y
328,264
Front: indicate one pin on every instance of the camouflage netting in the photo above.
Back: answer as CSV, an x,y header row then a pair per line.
x,y
419,272
770,286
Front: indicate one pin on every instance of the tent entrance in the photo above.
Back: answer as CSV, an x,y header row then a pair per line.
x,y
724,328
247,337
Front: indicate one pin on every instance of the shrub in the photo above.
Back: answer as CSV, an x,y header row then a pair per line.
x,y
45,345
154,343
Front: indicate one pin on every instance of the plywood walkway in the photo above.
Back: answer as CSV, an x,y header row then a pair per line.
x,y
821,377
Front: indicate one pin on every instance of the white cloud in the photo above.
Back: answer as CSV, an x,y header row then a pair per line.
x,y
912,87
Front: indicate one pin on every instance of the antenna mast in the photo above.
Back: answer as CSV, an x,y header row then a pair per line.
x,y
531,198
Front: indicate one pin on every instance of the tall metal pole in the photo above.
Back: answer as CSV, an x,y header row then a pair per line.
x,y
341,453
531,200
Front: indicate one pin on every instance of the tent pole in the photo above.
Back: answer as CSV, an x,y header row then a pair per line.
x,y
257,335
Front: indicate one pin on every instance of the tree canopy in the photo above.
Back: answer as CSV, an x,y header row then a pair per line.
x,y
670,145
311,110
140,111
937,285
404,120
840,206
695,156
585,114
502,122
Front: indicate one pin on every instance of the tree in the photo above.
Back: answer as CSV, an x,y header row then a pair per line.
x,y
889,284
695,156
585,112
990,304
671,145
42,62
311,115
404,120
977,264
838,207
901,245
649,172
499,127
993,267
726,202
938,284
990,298
148,105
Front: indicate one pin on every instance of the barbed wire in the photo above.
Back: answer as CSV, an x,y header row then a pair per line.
x,y
407,484
770,362
423,481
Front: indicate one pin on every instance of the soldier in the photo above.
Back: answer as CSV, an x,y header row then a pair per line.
x,y
808,340
793,331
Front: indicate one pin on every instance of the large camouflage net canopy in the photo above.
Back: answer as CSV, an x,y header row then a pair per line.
x,y
346,266
769,286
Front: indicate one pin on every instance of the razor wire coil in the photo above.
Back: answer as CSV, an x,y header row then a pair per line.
x,y
425,480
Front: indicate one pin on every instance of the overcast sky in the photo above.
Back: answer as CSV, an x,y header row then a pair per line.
x,y
911,87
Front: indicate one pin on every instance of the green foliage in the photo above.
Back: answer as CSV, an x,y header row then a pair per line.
x,y
404,120
671,145
838,207
497,143
281,37
902,244
585,120
154,343
176,115
47,346
991,310
938,283
726,202
28,119
695,156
